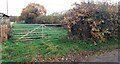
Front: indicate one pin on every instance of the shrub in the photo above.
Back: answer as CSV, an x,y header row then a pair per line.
x,y
98,22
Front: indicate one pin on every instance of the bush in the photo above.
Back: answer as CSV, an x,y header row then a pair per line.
x,y
98,22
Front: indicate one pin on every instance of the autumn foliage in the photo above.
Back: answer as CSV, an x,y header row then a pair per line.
x,y
98,22
32,11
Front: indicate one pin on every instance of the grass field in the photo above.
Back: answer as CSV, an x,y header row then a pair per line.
x,y
55,46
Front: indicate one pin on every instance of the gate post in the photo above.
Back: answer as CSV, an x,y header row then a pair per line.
x,y
42,31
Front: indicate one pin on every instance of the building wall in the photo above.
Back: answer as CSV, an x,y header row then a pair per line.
x,y
4,29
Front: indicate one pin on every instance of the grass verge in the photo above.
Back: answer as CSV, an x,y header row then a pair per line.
x,y
28,51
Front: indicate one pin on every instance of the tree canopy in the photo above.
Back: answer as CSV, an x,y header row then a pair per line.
x,y
32,11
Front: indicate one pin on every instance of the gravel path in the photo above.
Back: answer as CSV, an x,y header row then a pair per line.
x,y
90,56
106,57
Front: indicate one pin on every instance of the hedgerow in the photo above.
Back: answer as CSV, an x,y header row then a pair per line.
x,y
97,22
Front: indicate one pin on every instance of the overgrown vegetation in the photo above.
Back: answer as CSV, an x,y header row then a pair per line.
x,y
98,22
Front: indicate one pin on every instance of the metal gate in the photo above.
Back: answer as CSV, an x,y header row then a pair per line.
x,y
28,32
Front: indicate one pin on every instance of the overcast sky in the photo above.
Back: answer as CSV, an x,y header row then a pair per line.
x,y
15,6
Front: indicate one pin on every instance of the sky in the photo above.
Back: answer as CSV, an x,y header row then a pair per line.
x,y
15,6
